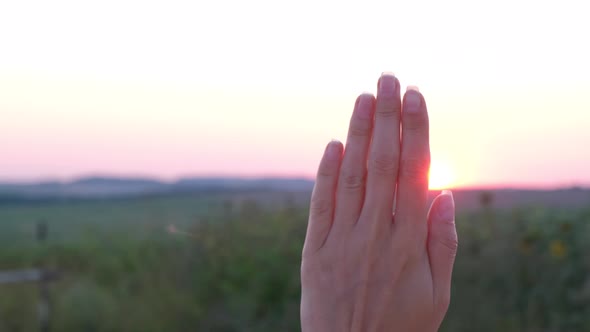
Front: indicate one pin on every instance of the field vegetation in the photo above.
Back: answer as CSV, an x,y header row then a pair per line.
x,y
231,263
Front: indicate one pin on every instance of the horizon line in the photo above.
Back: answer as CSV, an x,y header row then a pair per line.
x,y
253,177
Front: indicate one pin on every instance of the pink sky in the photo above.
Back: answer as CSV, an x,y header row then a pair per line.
x,y
186,88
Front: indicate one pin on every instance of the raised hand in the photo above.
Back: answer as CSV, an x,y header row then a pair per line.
x,y
375,258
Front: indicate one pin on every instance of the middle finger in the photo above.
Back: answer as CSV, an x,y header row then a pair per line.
x,y
383,161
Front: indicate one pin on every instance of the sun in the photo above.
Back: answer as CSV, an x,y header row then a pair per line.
x,y
440,176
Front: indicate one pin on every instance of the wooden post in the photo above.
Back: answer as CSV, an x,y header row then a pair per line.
x,y
42,276
43,307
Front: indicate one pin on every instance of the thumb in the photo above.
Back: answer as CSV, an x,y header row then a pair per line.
x,y
442,246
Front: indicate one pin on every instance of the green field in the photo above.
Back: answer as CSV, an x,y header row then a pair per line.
x,y
526,269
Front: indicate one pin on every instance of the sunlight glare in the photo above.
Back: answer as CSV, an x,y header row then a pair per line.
x,y
440,176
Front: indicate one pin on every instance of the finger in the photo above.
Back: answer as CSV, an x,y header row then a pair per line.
x,y
442,246
382,163
412,182
351,182
321,208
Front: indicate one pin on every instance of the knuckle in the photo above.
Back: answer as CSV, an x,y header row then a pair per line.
x,y
388,107
451,243
327,171
415,121
320,207
353,181
383,164
447,240
359,129
415,170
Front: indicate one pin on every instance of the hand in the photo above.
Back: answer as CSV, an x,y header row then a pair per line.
x,y
364,268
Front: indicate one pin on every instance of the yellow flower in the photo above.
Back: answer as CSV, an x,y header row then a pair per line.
x,y
558,249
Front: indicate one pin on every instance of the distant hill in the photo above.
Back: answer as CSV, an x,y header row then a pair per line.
x,y
287,184
113,187
98,187
110,181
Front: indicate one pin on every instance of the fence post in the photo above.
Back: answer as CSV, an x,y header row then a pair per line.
x,y
43,307
42,276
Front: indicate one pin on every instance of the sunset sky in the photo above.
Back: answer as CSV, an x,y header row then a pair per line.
x,y
257,88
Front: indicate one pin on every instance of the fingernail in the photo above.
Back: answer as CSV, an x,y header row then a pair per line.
x,y
412,88
412,101
364,106
387,84
446,206
333,150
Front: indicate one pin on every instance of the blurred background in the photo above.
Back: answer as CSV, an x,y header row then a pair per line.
x,y
156,157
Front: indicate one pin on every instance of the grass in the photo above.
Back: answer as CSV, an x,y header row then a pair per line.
x,y
522,270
